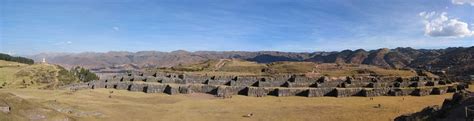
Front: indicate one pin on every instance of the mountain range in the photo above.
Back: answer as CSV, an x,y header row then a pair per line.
x,y
457,61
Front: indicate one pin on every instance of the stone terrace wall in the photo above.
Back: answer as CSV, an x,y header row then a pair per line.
x,y
282,85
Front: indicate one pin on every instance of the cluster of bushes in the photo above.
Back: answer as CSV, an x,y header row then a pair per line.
x,y
65,76
7,57
83,74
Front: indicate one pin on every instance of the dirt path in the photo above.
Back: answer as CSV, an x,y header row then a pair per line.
x,y
221,63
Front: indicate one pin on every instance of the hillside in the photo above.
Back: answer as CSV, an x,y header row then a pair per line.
x,y
17,75
27,110
242,67
457,62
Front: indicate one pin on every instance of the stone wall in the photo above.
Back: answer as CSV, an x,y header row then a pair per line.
x,y
156,88
282,92
320,92
282,85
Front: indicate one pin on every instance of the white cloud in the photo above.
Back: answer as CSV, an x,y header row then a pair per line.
x,y
440,25
462,2
61,43
116,28
9,53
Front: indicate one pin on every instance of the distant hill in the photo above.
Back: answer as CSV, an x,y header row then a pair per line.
x,y
234,67
163,59
456,61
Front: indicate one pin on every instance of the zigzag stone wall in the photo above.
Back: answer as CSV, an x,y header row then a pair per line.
x,y
226,86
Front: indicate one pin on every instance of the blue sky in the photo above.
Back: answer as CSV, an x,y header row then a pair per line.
x,y
35,26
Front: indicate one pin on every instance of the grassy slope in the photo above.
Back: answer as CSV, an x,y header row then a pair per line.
x,y
17,75
240,67
8,70
126,105
23,109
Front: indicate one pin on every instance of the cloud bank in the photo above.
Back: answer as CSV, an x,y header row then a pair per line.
x,y
462,2
440,25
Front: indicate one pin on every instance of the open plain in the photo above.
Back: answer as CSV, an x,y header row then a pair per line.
x,y
126,105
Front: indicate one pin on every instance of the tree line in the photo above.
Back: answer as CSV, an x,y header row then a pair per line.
x,y
7,57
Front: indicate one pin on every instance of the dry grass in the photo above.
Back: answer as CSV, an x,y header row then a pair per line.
x,y
241,67
17,75
126,105
8,70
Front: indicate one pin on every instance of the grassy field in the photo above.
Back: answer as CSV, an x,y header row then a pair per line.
x,y
8,70
242,67
134,106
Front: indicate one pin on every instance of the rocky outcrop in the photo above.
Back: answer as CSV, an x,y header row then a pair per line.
x,y
452,110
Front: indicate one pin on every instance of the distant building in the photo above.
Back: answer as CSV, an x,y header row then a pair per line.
x,y
43,61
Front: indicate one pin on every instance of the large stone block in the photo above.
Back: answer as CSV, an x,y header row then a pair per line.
x,y
417,84
98,84
124,86
452,89
126,78
431,83
217,82
172,90
300,84
169,80
151,79
244,83
319,92
195,88
372,92
184,89
422,92
256,92
282,92
347,92
225,92
111,85
401,92
138,87
200,88
5,108
211,89
156,88
270,84
138,78
439,90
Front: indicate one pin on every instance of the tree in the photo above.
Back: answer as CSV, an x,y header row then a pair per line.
x,y
83,74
